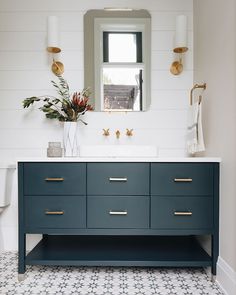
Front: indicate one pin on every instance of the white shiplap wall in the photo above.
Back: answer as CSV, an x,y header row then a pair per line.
x,y
25,71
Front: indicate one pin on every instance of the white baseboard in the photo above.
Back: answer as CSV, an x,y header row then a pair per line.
x,y
226,277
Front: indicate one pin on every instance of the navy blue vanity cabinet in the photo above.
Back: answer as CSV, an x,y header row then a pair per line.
x,y
54,195
118,195
182,196
185,200
119,213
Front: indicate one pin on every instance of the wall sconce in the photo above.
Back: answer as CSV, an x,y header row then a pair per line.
x,y
53,44
180,44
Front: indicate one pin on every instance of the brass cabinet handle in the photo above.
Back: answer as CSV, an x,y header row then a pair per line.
x,y
118,179
184,213
111,212
183,180
54,179
54,212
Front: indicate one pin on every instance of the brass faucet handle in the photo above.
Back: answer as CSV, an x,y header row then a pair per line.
x,y
106,132
129,132
117,134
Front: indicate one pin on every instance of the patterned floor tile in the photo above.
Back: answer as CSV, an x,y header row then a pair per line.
x,y
102,280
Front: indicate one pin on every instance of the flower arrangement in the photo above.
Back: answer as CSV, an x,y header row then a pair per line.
x,y
65,108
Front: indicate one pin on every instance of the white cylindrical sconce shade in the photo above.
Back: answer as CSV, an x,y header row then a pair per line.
x,y
53,35
181,34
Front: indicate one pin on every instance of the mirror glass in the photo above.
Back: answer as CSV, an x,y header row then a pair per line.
x,y
117,50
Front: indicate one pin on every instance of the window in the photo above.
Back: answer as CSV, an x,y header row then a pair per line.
x,y
122,77
122,63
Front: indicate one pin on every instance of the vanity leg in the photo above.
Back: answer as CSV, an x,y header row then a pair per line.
x,y
21,277
215,252
215,235
213,278
21,231
21,256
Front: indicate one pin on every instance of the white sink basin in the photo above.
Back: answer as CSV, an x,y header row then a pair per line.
x,y
118,151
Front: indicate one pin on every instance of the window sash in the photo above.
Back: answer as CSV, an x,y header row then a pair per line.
x,y
139,53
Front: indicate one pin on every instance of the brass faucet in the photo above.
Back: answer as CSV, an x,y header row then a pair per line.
x,y
106,132
129,132
117,134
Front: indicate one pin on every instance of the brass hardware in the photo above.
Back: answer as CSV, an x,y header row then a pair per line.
x,y
180,49
129,132
180,213
118,179
57,68
177,66
196,86
54,212
53,49
111,212
106,132
183,180
54,179
117,134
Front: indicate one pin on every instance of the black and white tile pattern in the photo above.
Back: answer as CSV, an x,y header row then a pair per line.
x,y
102,281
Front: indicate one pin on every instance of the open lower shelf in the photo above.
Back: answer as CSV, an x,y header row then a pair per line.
x,y
181,251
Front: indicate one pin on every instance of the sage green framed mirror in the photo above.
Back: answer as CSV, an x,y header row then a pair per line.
x,y
117,59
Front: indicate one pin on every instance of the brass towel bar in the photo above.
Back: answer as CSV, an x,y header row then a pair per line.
x,y
202,86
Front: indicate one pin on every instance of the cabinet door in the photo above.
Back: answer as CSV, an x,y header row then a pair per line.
x,y
54,179
181,179
118,212
118,179
181,212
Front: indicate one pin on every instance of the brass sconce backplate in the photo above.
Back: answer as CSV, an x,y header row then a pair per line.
x,y
176,68
57,68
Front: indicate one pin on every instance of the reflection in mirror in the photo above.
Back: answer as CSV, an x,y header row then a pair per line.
x,y
117,59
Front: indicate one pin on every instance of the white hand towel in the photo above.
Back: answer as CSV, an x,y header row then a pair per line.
x,y
195,141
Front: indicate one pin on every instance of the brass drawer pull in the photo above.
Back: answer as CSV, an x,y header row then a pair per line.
x,y
118,212
54,179
183,180
118,179
179,213
54,212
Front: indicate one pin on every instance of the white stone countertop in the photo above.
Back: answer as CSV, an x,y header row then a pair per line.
x,y
123,159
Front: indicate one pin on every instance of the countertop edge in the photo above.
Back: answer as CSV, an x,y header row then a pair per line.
x,y
114,159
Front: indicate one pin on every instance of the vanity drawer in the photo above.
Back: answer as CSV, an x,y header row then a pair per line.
x,y
55,178
181,179
118,212
55,211
181,212
118,179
